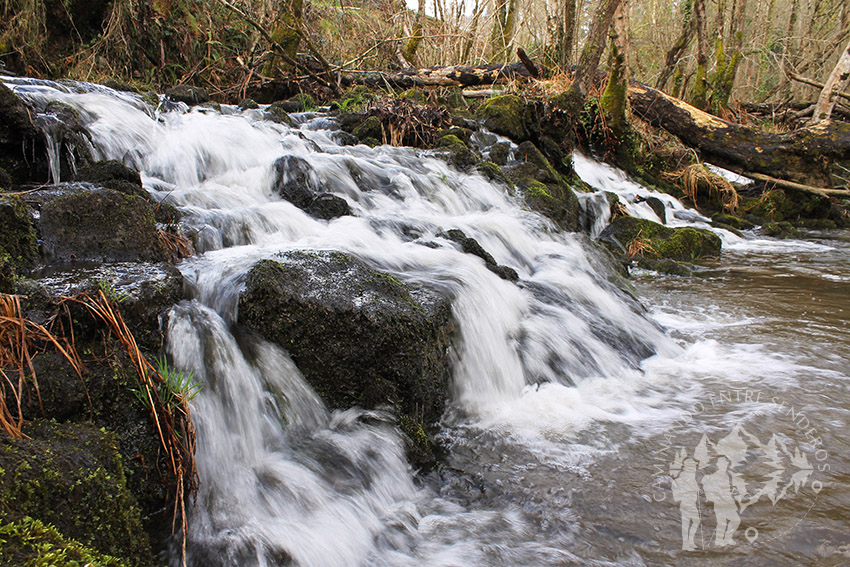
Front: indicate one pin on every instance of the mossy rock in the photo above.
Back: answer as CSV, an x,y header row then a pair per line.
x,y
471,246
361,337
71,476
416,95
31,542
301,102
100,225
18,245
686,244
505,115
731,221
543,188
782,229
777,205
276,112
456,153
369,128
492,172
23,154
248,104
499,153
297,182
464,134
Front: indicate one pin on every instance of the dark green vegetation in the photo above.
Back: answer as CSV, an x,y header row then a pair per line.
x,y
361,337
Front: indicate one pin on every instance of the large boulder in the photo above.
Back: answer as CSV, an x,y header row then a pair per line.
x,y
360,336
23,154
98,224
506,115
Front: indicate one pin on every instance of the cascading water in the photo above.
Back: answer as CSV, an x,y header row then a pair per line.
x,y
552,376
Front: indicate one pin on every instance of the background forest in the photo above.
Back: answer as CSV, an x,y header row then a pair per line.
x,y
708,52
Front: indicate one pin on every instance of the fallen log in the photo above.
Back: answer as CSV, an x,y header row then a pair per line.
x,y
806,156
452,76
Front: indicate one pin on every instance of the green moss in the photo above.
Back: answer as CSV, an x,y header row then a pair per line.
x,y
506,115
17,234
684,244
72,476
456,152
416,95
538,189
370,128
31,543
782,229
276,113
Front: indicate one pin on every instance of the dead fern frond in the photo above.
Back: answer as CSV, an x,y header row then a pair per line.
x,y
20,340
640,246
697,175
176,243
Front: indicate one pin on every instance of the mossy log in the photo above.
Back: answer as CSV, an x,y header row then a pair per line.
x,y
806,156
454,75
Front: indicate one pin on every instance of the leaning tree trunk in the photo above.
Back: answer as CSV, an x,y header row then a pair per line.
x,y
679,46
592,51
808,156
838,81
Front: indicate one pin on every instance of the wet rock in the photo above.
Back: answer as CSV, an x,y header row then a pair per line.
x,y
119,86
492,172
360,336
499,153
143,292
100,225
731,220
544,189
348,121
188,94
783,229
456,153
295,180
327,206
277,113
23,154
115,175
471,246
248,104
301,102
18,245
344,138
657,206
650,239
71,476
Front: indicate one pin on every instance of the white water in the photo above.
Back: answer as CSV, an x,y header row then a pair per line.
x,y
540,365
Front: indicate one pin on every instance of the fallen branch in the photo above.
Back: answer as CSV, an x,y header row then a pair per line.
x,y
811,83
820,191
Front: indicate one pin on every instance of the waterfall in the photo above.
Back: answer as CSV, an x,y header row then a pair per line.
x,y
284,479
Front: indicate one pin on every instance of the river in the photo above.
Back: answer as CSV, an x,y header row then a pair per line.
x,y
694,420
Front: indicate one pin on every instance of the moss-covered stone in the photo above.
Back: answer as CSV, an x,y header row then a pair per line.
x,y
18,244
416,95
731,220
296,181
276,112
492,172
71,476
361,337
370,128
101,225
505,115
499,153
30,542
471,246
658,241
543,188
455,152
781,229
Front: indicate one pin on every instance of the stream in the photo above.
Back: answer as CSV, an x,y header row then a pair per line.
x,y
688,421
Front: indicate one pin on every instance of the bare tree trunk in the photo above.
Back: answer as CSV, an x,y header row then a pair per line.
x,y
700,88
503,30
679,46
473,32
566,34
592,51
837,82
727,67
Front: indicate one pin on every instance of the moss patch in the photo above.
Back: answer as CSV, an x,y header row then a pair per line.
x,y
17,234
505,115
72,476
31,543
684,244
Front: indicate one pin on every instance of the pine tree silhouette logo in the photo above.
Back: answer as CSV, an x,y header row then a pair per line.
x,y
714,473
